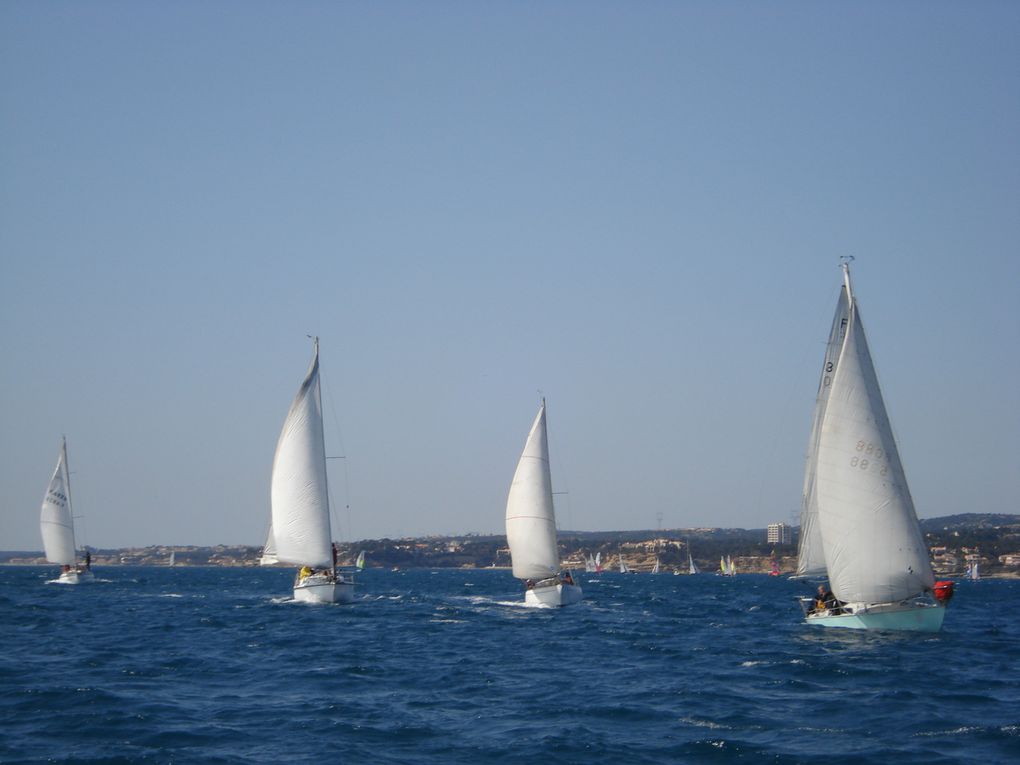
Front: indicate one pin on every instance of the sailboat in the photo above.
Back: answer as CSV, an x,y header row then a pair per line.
x,y
855,489
173,559
598,563
731,570
360,562
299,497
531,525
57,525
624,568
692,568
773,565
268,557
972,571
655,568
589,564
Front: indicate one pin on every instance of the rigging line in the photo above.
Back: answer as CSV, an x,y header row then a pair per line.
x,y
343,449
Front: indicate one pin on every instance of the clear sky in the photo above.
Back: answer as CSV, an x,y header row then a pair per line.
x,y
637,209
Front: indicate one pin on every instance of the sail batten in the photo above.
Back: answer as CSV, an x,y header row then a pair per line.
x,y
298,494
873,547
530,517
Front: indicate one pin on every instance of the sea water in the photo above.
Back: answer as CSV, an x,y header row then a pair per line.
x,y
218,665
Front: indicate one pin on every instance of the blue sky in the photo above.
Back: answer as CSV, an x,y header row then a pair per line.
x,y
636,209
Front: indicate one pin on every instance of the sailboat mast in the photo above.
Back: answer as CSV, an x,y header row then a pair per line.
x,y
325,464
845,265
67,483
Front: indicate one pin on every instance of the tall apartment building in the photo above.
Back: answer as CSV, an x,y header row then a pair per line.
x,y
779,534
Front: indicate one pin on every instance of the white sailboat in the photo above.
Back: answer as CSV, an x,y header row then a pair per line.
x,y
56,522
691,566
173,559
531,525
589,564
360,562
655,568
268,557
871,543
299,497
624,568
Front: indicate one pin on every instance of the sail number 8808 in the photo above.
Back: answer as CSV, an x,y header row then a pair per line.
x,y
874,454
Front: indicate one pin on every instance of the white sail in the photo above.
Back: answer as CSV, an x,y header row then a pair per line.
x,y
810,556
360,562
530,520
269,550
298,495
692,568
56,521
872,542
655,568
173,558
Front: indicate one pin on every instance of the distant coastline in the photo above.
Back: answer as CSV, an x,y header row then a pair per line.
x,y
992,540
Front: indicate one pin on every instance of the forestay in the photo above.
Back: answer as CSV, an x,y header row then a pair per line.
x,y
56,521
872,541
530,520
300,508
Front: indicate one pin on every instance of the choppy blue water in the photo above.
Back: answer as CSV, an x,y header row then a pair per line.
x,y
216,666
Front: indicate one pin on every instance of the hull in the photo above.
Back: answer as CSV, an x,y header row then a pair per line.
x,y
553,596
82,576
897,618
319,589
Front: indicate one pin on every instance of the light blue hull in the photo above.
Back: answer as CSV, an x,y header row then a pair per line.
x,y
912,619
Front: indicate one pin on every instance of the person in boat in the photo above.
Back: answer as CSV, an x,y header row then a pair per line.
x,y
567,578
305,572
529,584
824,600
88,560
334,554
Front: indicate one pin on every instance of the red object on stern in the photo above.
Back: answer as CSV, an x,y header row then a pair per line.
x,y
944,592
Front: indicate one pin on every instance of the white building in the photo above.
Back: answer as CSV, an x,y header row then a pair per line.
x,y
779,534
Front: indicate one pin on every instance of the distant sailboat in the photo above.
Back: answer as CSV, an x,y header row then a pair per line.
x,y
589,564
773,565
268,557
972,571
299,497
531,525
871,542
624,568
598,563
360,562
173,559
57,525
692,568
655,568
731,569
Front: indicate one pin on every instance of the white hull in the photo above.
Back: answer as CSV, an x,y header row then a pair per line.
x,y
319,589
885,616
553,596
76,577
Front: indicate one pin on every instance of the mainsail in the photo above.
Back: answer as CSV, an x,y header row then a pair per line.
x,y
530,520
872,542
56,521
810,556
298,494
